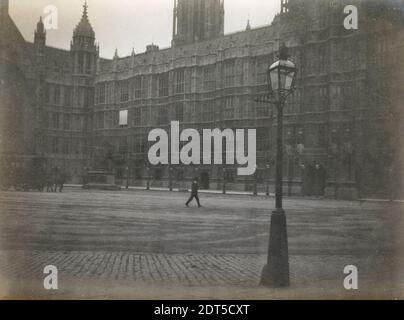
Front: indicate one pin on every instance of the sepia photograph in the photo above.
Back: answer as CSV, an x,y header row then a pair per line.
x,y
201,150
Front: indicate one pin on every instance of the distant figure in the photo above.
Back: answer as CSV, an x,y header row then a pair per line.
x,y
49,181
55,172
194,193
60,181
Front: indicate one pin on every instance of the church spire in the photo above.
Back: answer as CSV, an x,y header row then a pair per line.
x,y
248,28
85,9
40,34
84,27
40,28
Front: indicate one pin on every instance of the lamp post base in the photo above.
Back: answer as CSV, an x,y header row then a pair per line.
x,y
276,272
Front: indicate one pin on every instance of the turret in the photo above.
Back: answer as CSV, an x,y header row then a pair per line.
x,y
83,47
40,35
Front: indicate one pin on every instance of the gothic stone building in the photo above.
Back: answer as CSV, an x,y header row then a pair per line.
x,y
343,127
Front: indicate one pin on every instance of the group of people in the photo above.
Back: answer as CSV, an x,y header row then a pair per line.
x,y
31,176
55,181
52,179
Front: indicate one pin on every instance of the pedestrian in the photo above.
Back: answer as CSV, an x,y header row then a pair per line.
x,y
194,193
49,179
55,176
60,181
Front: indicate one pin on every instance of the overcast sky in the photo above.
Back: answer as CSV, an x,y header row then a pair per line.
x,y
124,24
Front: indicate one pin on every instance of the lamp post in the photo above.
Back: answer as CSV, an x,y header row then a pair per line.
x,y
256,181
281,78
127,177
300,151
224,181
127,167
334,152
170,177
267,179
290,159
148,178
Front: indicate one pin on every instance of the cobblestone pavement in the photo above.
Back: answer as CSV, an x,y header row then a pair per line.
x,y
144,239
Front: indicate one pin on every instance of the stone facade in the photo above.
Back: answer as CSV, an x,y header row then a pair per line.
x,y
342,127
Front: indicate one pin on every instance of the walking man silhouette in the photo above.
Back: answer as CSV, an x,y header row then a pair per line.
x,y
194,193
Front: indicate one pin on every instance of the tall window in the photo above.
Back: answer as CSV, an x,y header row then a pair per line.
x,y
208,112
55,145
124,91
109,119
322,135
48,93
139,145
144,115
80,62
229,75
179,112
88,63
163,85
57,95
55,121
68,96
179,81
66,121
110,92
100,120
101,93
229,108
65,146
123,117
262,70
209,80
137,116
138,87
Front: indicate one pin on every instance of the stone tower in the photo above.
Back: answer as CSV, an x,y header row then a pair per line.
x,y
83,47
197,20
40,35
40,123
84,54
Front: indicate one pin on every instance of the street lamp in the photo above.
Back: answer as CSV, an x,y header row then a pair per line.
x,y
127,177
267,179
224,181
170,178
148,178
281,80
256,181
